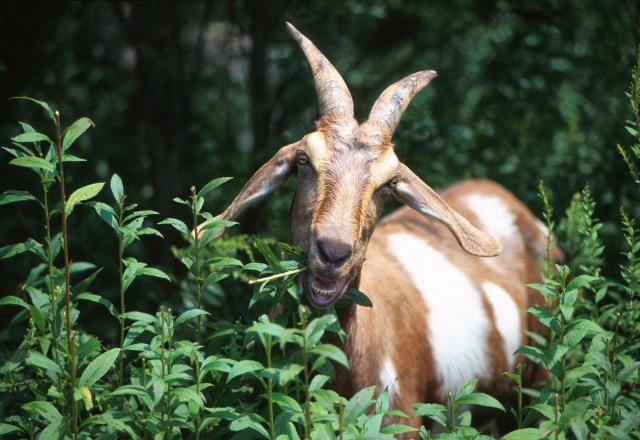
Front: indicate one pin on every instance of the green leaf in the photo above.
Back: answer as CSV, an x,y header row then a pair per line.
x,y
244,367
358,404
32,162
38,318
285,402
82,194
524,434
99,300
117,189
354,295
545,409
131,390
534,352
581,281
626,373
187,395
72,158
39,360
153,272
332,352
13,196
177,224
141,317
5,428
28,246
112,423
42,104
74,131
249,421
434,411
397,429
13,301
53,431
106,213
98,367
11,250
212,185
81,286
32,136
480,399
316,328
190,314
44,409
573,337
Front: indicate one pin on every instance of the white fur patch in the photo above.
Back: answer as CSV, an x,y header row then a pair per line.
x,y
495,216
389,378
458,326
507,319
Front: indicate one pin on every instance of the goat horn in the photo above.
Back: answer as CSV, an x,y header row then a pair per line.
x,y
390,105
333,94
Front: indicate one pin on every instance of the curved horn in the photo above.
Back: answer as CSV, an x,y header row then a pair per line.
x,y
390,105
333,94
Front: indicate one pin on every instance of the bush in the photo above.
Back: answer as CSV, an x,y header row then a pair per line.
x,y
198,374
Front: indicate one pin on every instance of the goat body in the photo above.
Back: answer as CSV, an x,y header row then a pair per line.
x,y
441,316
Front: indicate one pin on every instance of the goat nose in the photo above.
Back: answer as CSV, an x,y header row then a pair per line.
x,y
335,253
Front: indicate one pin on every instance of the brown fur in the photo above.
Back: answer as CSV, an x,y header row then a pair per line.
x,y
345,172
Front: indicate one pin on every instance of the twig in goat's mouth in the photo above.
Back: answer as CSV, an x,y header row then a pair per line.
x,y
276,276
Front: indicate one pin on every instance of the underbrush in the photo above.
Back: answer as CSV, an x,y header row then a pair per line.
x,y
200,374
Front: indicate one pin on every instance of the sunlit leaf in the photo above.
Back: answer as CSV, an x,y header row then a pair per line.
x,y
13,196
98,367
117,189
32,162
32,136
40,360
212,185
190,314
42,104
74,131
81,194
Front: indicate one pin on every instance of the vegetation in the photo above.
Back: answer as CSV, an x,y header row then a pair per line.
x,y
92,347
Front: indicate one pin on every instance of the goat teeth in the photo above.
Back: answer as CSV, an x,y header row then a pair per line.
x,y
324,292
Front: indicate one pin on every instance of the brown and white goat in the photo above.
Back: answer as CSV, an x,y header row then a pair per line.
x,y
441,315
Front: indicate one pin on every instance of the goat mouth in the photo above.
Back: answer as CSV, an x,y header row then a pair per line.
x,y
322,292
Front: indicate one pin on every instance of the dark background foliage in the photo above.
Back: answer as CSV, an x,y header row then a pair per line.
x,y
183,92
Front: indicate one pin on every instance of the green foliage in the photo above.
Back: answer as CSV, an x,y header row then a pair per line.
x,y
199,374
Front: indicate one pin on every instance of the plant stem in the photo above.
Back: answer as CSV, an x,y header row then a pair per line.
x,y
560,340
556,418
520,397
198,277
65,237
340,419
162,363
452,416
121,288
145,410
276,276
272,427
305,355
54,312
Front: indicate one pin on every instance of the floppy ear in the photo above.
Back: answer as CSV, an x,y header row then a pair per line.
x,y
269,177
412,191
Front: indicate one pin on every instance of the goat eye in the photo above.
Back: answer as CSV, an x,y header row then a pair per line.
x,y
302,158
393,182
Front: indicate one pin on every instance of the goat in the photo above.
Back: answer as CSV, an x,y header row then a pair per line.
x,y
440,316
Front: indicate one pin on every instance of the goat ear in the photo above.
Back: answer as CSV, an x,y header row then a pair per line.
x,y
269,177
412,191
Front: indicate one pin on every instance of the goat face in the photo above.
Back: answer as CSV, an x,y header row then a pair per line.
x,y
342,183
345,172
